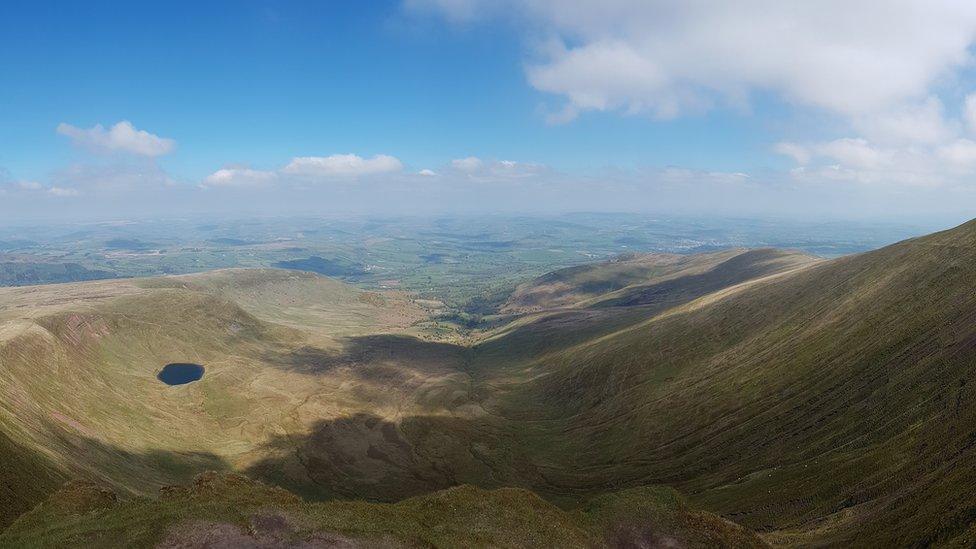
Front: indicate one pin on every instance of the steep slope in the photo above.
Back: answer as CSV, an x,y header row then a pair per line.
x,y
26,478
832,404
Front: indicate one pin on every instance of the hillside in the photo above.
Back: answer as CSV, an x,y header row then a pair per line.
x,y
817,402
580,303
828,405
233,511
78,387
631,278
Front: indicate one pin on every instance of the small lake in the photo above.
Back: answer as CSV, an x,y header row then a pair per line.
x,y
180,373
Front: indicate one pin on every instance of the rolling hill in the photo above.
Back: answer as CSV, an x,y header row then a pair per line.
x,y
817,402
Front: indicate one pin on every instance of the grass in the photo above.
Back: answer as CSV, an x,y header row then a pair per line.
x,y
26,479
815,406
235,510
815,402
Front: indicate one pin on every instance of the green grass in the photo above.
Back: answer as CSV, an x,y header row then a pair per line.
x,y
824,402
829,405
26,479
234,509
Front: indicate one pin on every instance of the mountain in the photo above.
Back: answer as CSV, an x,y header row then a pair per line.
x,y
831,404
816,402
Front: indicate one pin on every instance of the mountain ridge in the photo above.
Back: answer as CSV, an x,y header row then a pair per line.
x,y
809,400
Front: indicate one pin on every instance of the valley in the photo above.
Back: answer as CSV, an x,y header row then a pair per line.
x,y
811,401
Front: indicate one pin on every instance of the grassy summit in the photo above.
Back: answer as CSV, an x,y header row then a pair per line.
x,y
813,401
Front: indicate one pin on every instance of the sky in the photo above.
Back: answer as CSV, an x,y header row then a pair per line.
x,y
833,109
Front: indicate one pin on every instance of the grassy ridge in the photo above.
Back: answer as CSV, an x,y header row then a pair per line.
x,y
235,511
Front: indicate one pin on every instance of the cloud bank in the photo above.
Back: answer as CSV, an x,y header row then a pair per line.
x,y
666,58
888,73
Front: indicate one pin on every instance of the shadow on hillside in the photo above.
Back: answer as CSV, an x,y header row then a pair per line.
x,y
365,456
132,471
28,477
382,358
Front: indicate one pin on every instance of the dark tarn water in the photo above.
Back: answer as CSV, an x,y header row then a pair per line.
x,y
180,373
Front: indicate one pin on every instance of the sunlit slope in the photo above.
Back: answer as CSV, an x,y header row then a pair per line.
x,y
310,302
573,305
567,287
831,404
634,279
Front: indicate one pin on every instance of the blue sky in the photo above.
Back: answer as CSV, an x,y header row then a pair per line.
x,y
657,104
262,81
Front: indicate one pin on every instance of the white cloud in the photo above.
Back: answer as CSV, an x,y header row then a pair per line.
x,y
876,73
122,137
27,188
799,153
29,185
857,160
469,164
342,165
961,153
969,112
62,192
918,123
476,169
510,169
853,152
427,173
915,144
301,169
238,177
666,58
604,75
